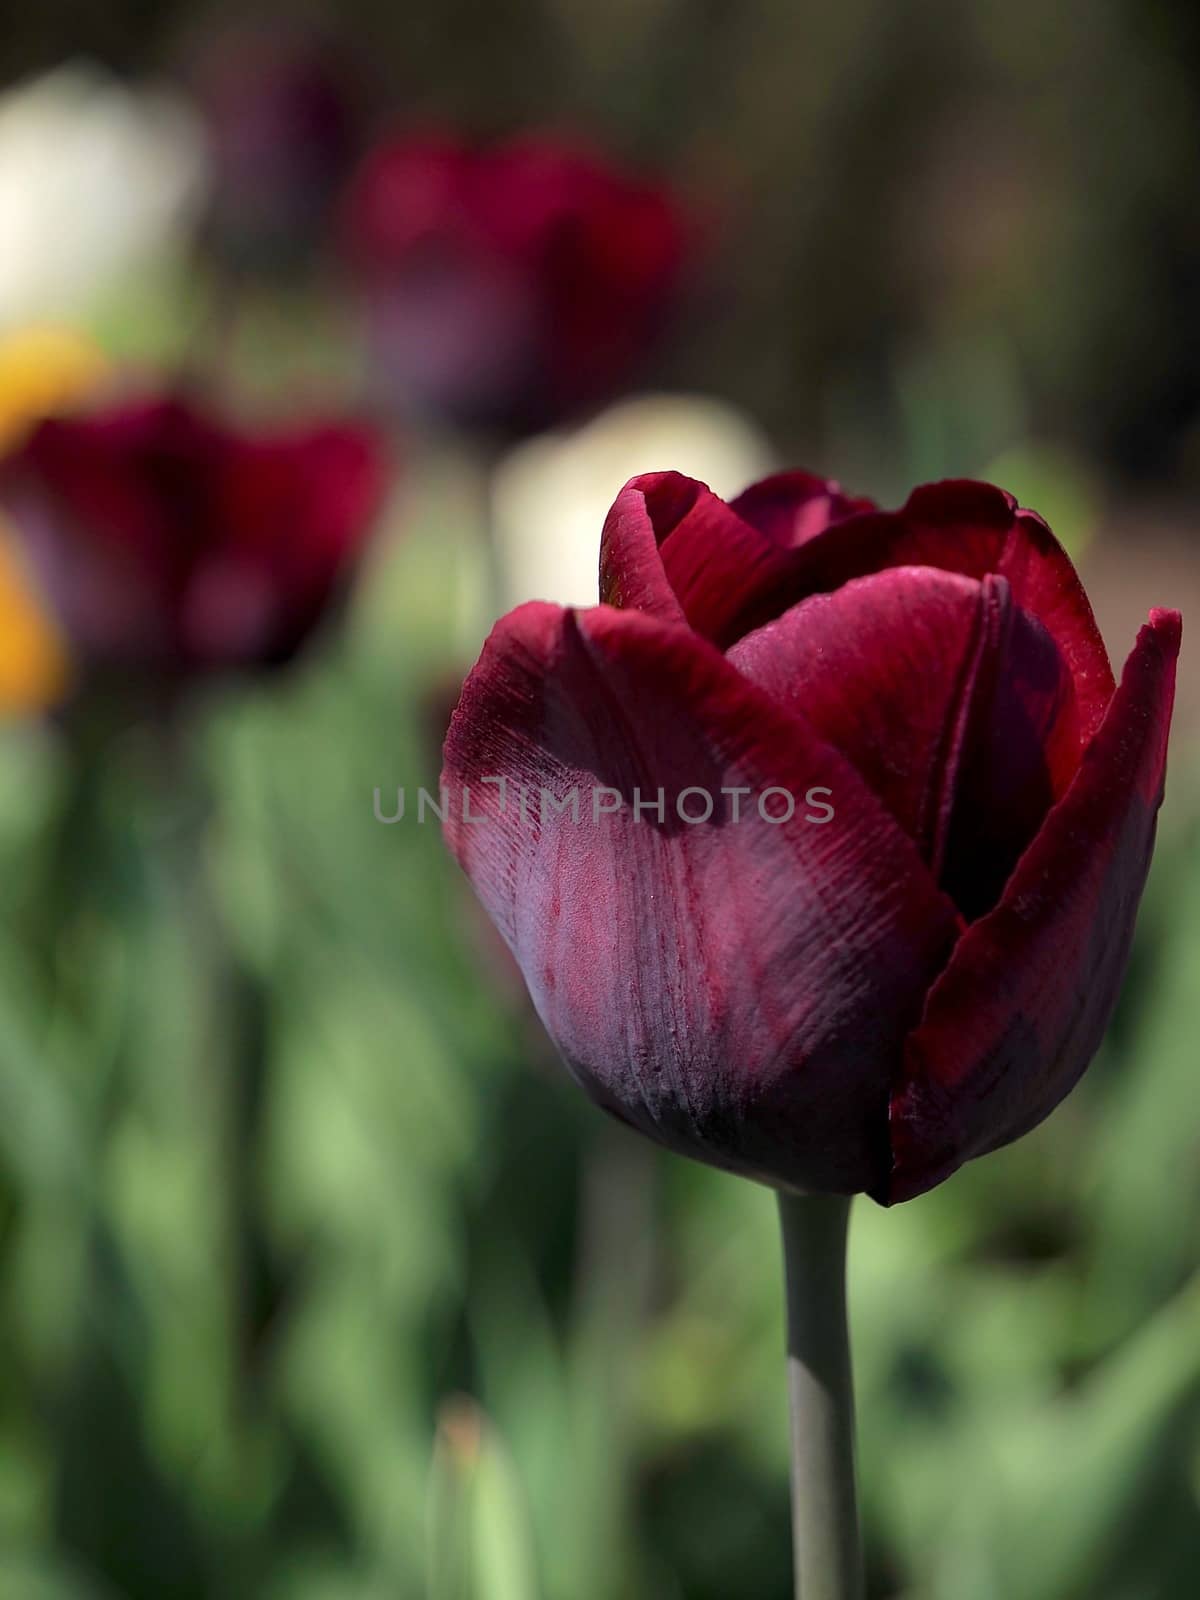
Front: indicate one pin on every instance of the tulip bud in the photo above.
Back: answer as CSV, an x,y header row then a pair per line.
x,y
856,996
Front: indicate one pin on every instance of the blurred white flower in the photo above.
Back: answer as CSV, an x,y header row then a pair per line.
x,y
552,494
96,178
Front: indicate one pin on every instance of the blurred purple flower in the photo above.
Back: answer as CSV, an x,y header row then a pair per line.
x,y
168,541
282,112
505,286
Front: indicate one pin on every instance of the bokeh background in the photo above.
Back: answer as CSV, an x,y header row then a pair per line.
x,y
318,1280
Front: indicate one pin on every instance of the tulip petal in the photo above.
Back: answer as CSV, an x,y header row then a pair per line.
x,y
793,507
670,544
974,529
985,701
673,548
737,988
631,570
1013,1021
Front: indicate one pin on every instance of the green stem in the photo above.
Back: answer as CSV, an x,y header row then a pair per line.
x,y
827,1548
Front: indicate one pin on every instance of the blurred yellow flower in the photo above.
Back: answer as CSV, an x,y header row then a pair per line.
x,y
33,658
43,369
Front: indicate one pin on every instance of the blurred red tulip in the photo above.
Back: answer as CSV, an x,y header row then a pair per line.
x,y
506,286
167,540
861,991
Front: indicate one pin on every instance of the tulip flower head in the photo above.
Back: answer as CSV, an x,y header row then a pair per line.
x,y
819,841
170,543
506,286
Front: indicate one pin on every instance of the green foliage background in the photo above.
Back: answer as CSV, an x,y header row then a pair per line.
x,y
288,1173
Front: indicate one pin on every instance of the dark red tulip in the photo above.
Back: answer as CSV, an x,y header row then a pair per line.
x,y
507,285
167,540
845,1002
